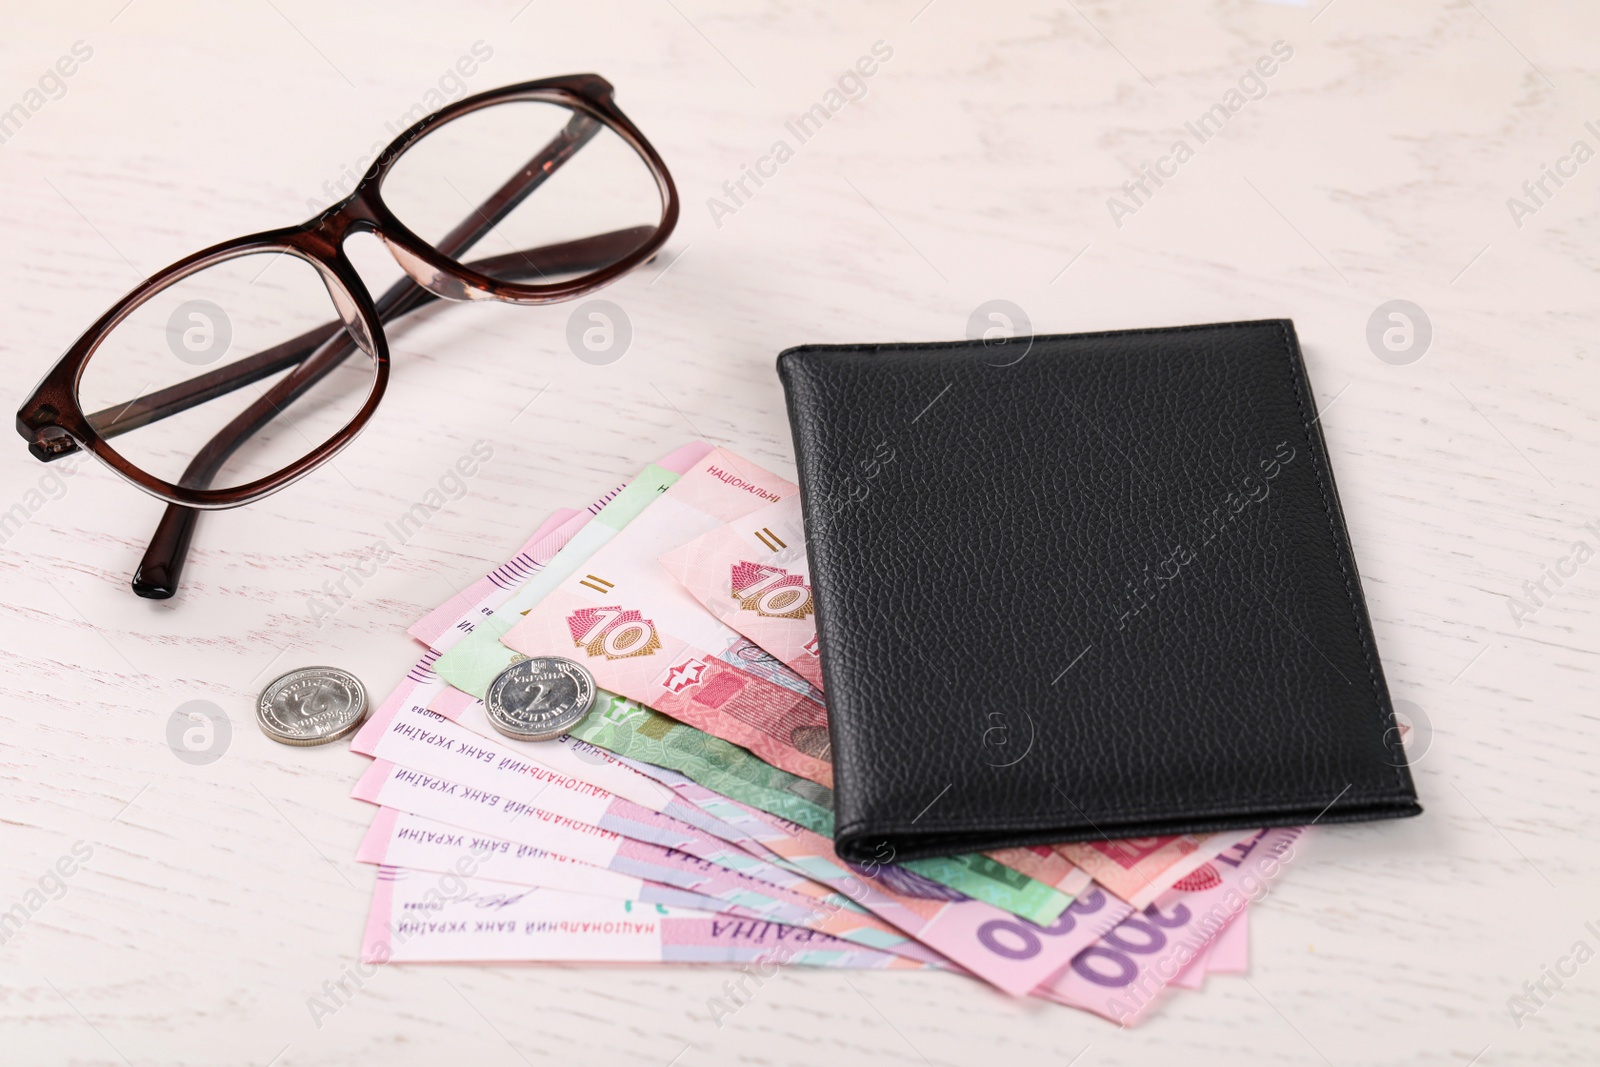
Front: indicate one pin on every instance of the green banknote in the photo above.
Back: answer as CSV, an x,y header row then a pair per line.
x,y
632,730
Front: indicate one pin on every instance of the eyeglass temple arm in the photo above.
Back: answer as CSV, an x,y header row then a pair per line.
x,y
152,407
159,570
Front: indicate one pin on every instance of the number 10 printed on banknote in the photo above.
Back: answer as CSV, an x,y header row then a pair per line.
x,y
752,574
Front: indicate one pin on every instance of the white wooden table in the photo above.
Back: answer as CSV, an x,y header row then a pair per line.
x,y
217,899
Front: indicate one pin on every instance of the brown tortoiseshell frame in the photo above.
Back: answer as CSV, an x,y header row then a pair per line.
x,y
55,425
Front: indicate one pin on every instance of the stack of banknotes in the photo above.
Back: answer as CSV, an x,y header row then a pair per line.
x,y
688,818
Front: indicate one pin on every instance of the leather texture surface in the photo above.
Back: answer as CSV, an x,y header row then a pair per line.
x,y
1084,586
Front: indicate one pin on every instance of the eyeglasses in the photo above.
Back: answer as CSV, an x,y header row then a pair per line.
x,y
282,396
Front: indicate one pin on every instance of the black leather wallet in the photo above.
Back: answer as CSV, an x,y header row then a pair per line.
x,y
1084,586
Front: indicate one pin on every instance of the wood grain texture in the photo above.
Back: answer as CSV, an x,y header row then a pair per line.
x,y
1377,166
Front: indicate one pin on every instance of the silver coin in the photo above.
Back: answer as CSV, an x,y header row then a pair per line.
x,y
539,698
312,706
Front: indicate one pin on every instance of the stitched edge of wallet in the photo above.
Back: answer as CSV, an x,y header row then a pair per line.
x,y
1233,807
929,845
1341,544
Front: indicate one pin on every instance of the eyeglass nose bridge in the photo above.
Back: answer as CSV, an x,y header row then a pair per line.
x,y
361,212
323,239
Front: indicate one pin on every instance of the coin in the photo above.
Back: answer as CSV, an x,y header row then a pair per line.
x,y
539,698
312,706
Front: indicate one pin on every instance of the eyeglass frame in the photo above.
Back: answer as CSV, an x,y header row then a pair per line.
x,y
52,419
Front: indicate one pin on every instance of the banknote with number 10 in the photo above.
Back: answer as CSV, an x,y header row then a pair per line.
x,y
753,575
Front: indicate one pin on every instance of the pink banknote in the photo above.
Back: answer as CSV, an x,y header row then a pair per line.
x,y
401,839
752,574
1124,972
452,620
1229,952
1140,869
1221,956
446,624
416,920
1192,975
642,635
